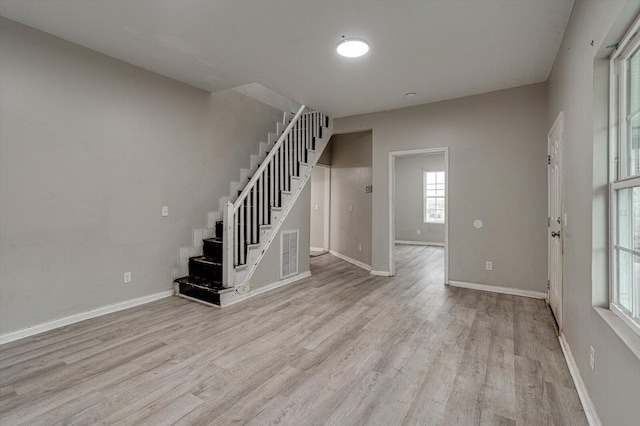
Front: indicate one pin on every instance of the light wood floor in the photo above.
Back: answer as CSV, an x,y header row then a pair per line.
x,y
341,348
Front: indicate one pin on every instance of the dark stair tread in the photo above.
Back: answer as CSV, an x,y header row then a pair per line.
x,y
213,240
207,260
212,286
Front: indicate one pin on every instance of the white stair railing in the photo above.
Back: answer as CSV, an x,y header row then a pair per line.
x,y
243,219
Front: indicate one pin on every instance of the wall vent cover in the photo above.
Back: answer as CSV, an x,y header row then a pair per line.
x,y
288,254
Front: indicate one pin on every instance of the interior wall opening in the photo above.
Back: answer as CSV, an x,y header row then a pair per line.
x,y
419,209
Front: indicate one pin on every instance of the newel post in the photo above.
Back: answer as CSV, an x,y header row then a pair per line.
x,y
227,246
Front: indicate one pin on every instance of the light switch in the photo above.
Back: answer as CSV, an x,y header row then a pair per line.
x,y
165,211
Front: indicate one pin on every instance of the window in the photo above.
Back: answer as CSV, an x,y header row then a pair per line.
x,y
434,197
625,181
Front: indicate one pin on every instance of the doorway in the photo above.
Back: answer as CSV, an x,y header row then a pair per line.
x,y
320,209
431,194
555,218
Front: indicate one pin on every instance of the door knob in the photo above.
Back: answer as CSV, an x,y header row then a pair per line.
x,y
555,234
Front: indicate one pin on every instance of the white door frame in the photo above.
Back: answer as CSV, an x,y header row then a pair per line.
x,y
392,202
555,223
326,207
327,204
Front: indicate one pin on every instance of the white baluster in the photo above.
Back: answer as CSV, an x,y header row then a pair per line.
x,y
260,202
236,238
296,138
247,226
276,180
227,245
299,149
243,241
271,186
309,139
281,169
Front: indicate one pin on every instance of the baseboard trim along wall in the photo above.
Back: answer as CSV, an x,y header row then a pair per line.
x,y
419,243
589,409
267,288
497,289
51,325
380,273
350,260
316,249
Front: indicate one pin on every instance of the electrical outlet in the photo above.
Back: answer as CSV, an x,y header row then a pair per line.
x,y
360,247
592,358
418,231
488,266
316,207
165,211
127,277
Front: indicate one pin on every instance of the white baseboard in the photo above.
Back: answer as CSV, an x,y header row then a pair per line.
x,y
316,249
497,289
380,273
583,394
47,326
419,243
266,288
350,260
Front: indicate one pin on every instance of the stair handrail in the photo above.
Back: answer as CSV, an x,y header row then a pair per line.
x,y
231,209
254,179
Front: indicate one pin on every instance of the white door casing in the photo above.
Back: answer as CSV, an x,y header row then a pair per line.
x,y
320,219
555,217
392,207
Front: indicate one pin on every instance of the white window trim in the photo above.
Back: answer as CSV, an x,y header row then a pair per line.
x,y
424,197
617,153
614,187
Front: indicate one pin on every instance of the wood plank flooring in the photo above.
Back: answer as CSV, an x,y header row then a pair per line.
x,y
339,348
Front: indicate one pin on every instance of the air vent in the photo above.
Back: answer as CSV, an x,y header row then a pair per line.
x,y
288,254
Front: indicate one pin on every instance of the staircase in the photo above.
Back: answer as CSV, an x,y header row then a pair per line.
x,y
226,254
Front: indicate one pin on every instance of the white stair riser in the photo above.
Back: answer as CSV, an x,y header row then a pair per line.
x,y
264,149
234,187
244,176
212,218
202,234
254,164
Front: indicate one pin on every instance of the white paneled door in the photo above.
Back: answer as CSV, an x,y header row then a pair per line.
x,y
555,218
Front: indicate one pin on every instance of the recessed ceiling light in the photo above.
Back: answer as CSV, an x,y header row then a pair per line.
x,y
352,47
410,95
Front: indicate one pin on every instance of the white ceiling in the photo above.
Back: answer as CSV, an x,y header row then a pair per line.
x,y
440,49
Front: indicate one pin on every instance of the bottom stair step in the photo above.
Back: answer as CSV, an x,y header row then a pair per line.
x,y
200,289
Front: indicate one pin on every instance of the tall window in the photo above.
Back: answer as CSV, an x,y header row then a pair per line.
x,y
434,197
625,185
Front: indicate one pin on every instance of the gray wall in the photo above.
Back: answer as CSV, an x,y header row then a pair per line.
x,y
91,148
318,216
268,271
351,156
494,140
582,93
410,199
325,158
